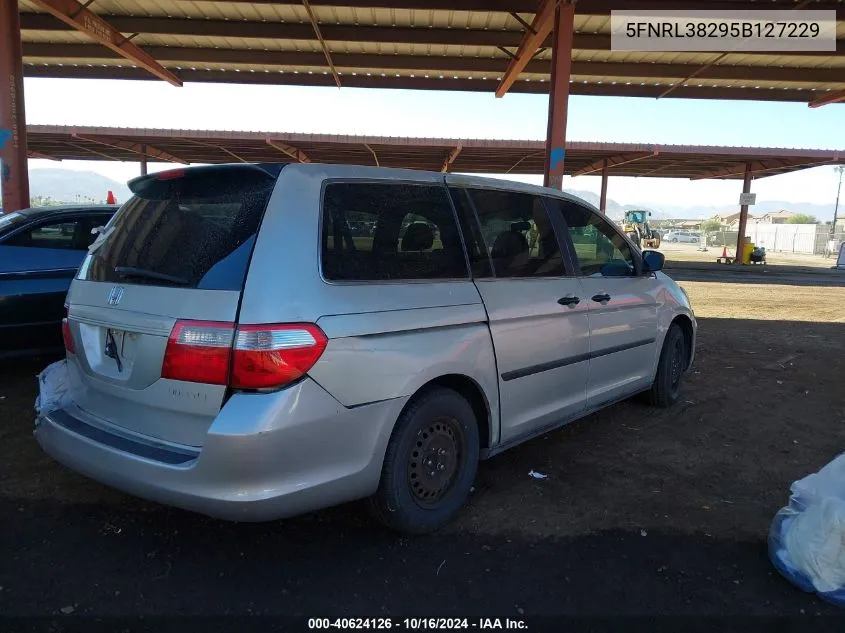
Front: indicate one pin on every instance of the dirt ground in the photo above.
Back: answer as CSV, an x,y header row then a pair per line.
x,y
643,512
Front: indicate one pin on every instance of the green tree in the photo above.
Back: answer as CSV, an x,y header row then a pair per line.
x,y
802,218
710,226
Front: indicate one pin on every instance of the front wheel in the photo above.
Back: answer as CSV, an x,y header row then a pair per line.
x,y
430,464
666,387
674,240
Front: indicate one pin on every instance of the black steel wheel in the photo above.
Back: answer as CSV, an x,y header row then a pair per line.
x,y
430,463
666,388
435,460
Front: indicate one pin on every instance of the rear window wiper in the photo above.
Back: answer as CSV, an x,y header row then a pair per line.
x,y
142,273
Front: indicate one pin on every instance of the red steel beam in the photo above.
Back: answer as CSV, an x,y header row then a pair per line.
x,y
801,95
221,148
493,65
603,196
830,97
615,161
553,165
14,176
296,154
743,215
541,26
76,15
147,151
450,158
762,166
316,26
31,153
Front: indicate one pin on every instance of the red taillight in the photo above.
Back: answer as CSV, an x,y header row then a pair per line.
x,y
249,357
274,355
170,174
199,351
70,348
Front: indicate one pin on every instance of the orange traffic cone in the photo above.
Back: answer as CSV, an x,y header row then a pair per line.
x,y
110,198
724,251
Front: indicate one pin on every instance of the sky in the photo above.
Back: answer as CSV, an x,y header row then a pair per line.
x,y
460,115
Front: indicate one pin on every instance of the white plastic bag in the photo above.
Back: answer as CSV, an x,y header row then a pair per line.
x,y
815,545
807,538
52,387
828,482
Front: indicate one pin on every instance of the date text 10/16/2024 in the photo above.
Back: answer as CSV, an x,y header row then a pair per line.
x,y
418,624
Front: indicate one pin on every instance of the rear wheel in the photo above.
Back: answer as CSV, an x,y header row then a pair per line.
x,y
666,387
430,464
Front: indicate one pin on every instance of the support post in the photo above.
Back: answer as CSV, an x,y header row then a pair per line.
x,y
603,198
144,160
743,215
841,170
559,96
14,178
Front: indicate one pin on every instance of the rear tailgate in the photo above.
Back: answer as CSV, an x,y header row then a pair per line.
x,y
178,250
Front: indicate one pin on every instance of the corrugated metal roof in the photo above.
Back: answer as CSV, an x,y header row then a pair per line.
x,y
476,155
403,44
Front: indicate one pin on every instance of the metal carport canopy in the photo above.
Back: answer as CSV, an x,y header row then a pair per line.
x,y
437,154
431,44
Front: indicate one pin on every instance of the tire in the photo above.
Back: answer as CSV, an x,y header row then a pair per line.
x,y
409,499
635,238
674,240
666,387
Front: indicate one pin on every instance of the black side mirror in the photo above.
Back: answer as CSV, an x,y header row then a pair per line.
x,y
653,261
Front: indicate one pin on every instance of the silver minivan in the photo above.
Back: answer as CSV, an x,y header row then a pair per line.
x,y
255,341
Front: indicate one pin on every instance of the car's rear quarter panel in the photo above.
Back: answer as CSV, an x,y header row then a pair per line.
x,y
386,340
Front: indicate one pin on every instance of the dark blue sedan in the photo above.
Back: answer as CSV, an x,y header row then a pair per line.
x,y
40,252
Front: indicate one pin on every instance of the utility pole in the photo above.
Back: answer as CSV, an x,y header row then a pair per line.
x,y
840,169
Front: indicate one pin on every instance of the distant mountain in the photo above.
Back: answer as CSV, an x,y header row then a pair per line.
x,y
616,211
822,212
69,186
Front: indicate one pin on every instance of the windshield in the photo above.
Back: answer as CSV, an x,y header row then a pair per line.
x,y
193,228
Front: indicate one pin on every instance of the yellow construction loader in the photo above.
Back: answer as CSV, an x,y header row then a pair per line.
x,y
636,227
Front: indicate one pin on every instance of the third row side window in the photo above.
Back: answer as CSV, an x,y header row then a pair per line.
x,y
390,231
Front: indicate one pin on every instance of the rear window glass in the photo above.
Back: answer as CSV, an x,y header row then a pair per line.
x,y
380,231
194,230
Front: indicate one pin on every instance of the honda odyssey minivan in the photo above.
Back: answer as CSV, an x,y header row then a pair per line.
x,y
256,341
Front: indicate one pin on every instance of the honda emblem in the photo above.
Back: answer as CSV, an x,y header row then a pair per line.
x,y
115,295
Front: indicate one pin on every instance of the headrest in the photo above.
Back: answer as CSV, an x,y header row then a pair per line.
x,y
418,237
509,244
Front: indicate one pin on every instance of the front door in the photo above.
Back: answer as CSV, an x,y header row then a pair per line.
x,y
622,304
537,314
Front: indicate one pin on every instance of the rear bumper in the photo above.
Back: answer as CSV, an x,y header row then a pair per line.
x,y
265,457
